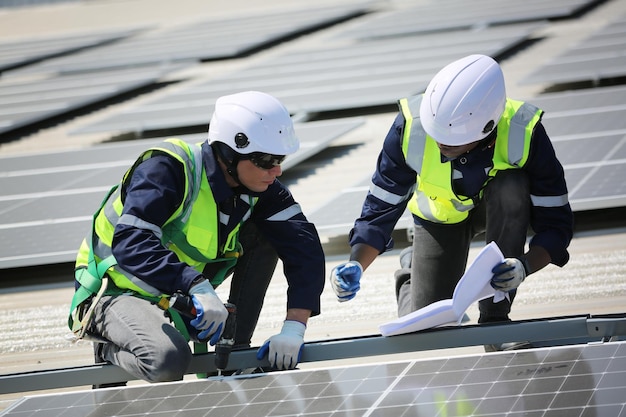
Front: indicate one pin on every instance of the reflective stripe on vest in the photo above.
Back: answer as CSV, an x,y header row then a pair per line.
x,y
434,198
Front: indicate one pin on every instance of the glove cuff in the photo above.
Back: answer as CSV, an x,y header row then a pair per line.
x,y
293,328
357,263
525,264
203,287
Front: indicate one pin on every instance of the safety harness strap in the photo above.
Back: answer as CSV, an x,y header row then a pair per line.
x,y
90,278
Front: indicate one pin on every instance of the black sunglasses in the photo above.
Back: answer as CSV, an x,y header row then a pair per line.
x,y
265,160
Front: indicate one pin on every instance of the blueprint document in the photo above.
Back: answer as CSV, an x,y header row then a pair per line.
x,y
473,286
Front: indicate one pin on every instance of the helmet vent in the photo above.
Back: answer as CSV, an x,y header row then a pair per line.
x,y
489,126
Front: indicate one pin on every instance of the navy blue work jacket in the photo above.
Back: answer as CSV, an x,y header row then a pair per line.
x,y
553,226
156,190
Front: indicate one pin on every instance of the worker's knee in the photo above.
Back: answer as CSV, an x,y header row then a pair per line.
x,y
168,365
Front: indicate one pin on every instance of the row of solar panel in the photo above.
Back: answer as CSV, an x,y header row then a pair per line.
x,y
137,57
583,380
588,130
47,200
98,66
64,188
48,207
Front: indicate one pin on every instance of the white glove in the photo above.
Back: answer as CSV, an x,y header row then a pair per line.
x,y
284,348
509,274
345,279
210,312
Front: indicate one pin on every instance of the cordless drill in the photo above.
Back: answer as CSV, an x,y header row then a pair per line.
x,y
225,345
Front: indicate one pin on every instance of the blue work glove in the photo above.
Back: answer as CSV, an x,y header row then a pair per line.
x,y
283,350
345,280
210,312
509,274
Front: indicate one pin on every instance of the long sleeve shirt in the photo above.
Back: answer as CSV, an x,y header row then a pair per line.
x,y
156,190
552,226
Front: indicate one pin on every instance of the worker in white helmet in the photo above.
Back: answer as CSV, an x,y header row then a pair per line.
x,y
465,160
185,217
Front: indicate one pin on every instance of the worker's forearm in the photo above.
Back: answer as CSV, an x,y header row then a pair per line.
x,y
298,314
363,254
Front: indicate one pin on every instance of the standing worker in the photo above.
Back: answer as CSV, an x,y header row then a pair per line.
x,y
185,217
466,160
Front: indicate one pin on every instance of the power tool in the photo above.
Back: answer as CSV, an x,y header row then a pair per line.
x,y
181,303
225,345
184,305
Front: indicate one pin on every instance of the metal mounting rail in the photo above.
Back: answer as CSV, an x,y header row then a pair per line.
x,y
539,332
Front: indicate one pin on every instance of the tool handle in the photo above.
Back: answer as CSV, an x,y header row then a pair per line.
x,y
183,304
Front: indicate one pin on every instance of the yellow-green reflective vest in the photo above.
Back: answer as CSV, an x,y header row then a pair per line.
x,y
191,232
434,199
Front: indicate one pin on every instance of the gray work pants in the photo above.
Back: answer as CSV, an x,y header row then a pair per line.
x,y
440,251
144,342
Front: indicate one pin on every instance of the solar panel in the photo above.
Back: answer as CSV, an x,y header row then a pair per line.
x,y
24,51
201,40
588,130
322,79
578,380
446,15
24,101
47,200
336,217
598,57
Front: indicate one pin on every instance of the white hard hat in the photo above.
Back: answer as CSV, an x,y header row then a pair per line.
x,y
252,121
464,101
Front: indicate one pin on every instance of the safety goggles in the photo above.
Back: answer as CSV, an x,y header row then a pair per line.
x,y
265,160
